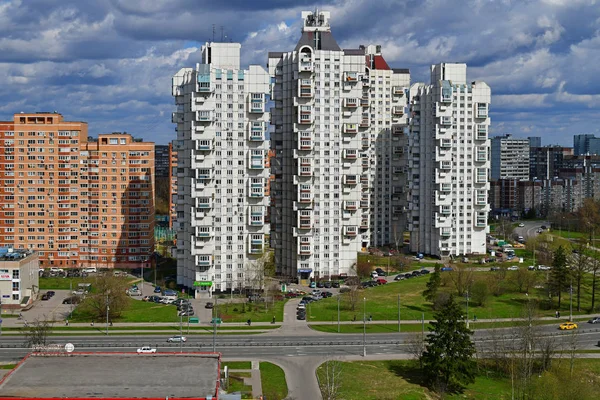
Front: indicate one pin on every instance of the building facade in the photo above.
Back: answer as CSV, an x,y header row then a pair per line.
x,y
172,187
535,141
162,160
19,278
586,144
509,158
117,202
339,121
545,162
449,163
222,171
56,197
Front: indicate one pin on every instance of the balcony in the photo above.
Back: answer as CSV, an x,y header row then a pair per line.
x,y
482,110
481,132
305,196
305,115
257,103
304,170
446,187
364,123
365,144
446,232
350,230
446,144
398,111
204,231
305,142
350,76
364,223
256,159
481,223
350,205
446,121
481,156
349,180
203,203
364,204
446,165
445,210
350,102
177,118
204,145
257,131
350,154
305,88
256,216
203,260
304,249
398,90
481,200
305,63
205,116
350,128
398,150
256,188
305,220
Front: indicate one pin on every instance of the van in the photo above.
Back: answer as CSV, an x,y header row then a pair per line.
x,y
170,295
56,269
90,270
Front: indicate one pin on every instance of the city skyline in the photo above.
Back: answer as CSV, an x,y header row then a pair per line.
x,y
111,63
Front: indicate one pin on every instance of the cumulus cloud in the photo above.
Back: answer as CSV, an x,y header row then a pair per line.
x,y
110,62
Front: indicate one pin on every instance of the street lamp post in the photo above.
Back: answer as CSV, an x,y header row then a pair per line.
x,y
364,326
214,321
467,305
107,310
571,301
398,312
338,305
181,331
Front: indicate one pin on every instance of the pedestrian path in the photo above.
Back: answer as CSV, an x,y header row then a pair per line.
x,y
255,380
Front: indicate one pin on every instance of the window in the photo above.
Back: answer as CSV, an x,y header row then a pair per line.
x,y
16,274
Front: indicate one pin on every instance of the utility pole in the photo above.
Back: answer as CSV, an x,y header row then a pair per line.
x,y
338,313
215,327
0,313
142,284
364,326
398,312
571,301
181,331
467,304
423,326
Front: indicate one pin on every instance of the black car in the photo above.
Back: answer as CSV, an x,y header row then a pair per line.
x,y
301,317
335,285
71,300
209,305
327,285
379,271
326,294
595,320
45,297
51,293
407,276
320,285
416,273
399,277
544,227
424,271
382,273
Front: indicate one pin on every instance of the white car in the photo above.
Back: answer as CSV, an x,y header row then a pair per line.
x,y
177,339
543,268
146,350
521,225
513,268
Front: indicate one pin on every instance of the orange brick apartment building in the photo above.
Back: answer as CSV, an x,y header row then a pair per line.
x,y
78,201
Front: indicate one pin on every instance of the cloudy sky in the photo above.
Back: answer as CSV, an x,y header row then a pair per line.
x,y
110,62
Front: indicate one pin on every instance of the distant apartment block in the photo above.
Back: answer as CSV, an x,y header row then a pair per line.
x,y
161,160
535,141
222,171
509,158
587,144
545,162
449,163
172,187
74,200
339,137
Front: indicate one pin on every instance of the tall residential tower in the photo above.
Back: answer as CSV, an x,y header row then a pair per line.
x,y
339,122
222,172
449,163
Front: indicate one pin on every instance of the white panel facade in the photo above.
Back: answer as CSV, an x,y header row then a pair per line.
x,y
223,176
449,163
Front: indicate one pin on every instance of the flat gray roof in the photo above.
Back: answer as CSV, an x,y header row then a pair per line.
x,y
114,375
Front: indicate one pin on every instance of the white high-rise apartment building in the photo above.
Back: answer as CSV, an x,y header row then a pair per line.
x,y
222,172
339,118
509,158
449,163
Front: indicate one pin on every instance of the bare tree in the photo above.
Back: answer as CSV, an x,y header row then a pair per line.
x,y
594,269
580,267
589,217
547,347
415,345
573,340
462,278
109,295
330,380
352,295
36,333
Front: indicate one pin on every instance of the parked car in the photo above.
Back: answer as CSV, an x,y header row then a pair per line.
x,y
301,317
335,285
424,271
445,268
374,275
494,268
567,326
186,313
209,305
521,225
51,293
407,276
531,268
543,227
595,320
320,285
177,339
327,285
146,350
512,268
543,268
301,307
157,289
381,281
416,273
399,277
312,285
71,300
45,297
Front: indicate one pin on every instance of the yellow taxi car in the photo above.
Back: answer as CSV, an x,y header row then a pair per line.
x,y
567,326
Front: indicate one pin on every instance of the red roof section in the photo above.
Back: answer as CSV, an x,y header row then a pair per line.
x,y
378,62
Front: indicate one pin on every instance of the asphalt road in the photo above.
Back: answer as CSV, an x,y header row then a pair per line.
x,y
260,346
530,228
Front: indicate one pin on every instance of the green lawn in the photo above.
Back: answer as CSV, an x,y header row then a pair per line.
x,y
236,384
137,311
257,312
273,381
382,302
402,379
237,364
63,283
7,366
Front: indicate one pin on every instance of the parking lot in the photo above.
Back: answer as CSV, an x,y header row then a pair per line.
x,y
52,309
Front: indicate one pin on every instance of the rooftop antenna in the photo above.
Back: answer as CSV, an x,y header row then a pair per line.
x,y
222,33
213,32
